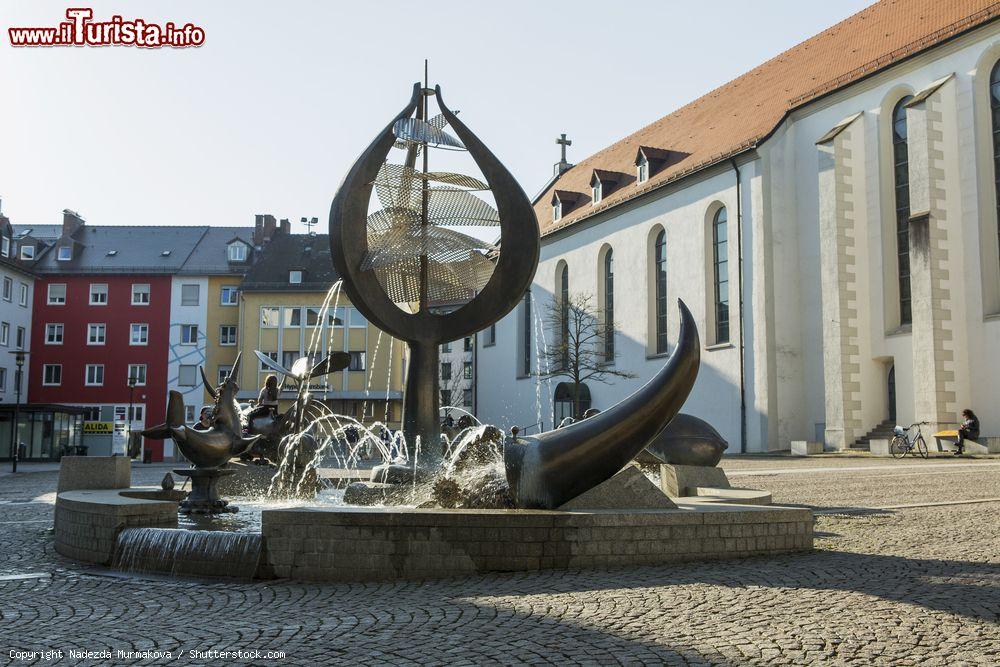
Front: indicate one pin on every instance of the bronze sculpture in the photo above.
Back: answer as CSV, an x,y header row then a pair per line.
x,y
549,469
687,441
409,253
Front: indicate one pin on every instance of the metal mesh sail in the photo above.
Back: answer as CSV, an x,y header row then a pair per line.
x,y
438,122
414,130
451,281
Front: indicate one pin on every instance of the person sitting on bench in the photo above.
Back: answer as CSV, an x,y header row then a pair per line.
x,y
969,430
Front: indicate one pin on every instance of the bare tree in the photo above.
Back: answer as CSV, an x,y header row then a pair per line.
x,y
579,350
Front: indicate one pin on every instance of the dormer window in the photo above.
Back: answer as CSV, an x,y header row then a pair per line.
x,y
642,169
556,209
237,252
27,251
295,277
5,248
595,189
65,253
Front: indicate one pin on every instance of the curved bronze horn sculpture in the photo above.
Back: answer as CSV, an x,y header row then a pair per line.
x,y
351,234
554,467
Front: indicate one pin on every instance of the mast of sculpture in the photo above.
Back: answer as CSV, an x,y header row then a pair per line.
x,y
407,266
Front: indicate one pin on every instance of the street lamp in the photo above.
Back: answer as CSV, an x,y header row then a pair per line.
x,y
132,379
19,356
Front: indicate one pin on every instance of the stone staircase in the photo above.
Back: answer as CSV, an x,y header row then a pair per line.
x,y
881,432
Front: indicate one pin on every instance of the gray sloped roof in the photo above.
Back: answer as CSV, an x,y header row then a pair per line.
x,y
309,253
136,248
210,256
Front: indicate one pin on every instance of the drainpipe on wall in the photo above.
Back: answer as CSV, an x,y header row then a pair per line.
x,y
739,251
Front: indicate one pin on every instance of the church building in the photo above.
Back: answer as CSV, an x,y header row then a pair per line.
x,y
831,220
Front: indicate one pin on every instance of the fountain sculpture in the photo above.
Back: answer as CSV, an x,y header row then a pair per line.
x,y
408,252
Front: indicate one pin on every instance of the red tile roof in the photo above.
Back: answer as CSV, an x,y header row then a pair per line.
x,y
740,114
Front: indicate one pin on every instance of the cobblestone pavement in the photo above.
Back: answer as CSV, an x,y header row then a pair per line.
x,y
917,586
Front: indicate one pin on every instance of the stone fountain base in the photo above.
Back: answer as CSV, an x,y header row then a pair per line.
x,y
204,497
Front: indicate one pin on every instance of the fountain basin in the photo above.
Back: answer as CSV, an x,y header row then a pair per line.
x,y
387,544
87,522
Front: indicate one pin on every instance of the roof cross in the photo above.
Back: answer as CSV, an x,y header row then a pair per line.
x,y
563,143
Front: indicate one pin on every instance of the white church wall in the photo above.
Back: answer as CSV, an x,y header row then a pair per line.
x,y
786,386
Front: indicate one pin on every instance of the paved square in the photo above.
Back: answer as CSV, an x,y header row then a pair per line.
x,y
912,585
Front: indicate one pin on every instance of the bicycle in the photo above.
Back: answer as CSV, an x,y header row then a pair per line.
x,y
901,442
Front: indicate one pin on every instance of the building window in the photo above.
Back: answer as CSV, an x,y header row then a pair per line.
x,y
295,277
52,375
237,252
65,253
140,334
96,334
23,298
4,333
609,306
224,371
189,334
230,295
720,275
467,398
467,370
595,190
526,335
189,414
446,347
995,121
190,295
140,294
269,317
293,317
28,251
98,294
357,361
20,338
5,248
901,181
3,379
446,397
273,356
556,209
53,334
564,314
289,357
357,319
95,375
57,294
491,336
8,289
446,370
468,343
137,371
227,334
642,169
660,289
187,375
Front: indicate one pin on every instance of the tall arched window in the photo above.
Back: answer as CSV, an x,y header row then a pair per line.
x,y
526,332
901,180
564,314
995,121
720,274
609,306
660,285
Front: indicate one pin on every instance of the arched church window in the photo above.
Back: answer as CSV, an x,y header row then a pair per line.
x,y
901,182
720,275
660,287
609,306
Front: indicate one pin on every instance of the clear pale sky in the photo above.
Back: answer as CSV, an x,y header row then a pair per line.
x,y
267,116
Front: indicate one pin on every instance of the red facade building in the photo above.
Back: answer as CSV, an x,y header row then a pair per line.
x,y
102,314
83,326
